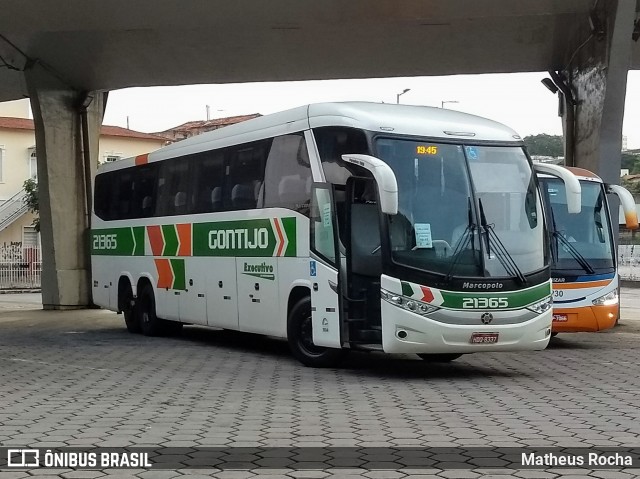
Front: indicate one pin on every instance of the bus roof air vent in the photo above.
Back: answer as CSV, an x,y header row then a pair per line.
x,y
459,133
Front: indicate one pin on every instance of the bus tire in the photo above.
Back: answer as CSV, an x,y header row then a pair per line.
x,y
440,358
128,308
554,334
299,336
150,324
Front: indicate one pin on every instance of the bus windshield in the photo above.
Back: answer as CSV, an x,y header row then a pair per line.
x,y
464,210
581,243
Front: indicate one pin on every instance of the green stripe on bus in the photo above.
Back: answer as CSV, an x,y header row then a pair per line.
x,y
255,237
170,240
138,235
117,242
241,238
177,265
407,290
289,225
515,299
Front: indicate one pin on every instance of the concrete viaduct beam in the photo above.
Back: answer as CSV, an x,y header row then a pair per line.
x,y
67,134
597,78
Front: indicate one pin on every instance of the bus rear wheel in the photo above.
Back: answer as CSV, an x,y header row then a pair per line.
x,y
299,336
150,324
440,358
128,308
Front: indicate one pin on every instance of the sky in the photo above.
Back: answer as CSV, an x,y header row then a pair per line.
x,y
518,100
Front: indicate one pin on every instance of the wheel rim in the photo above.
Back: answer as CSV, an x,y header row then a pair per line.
x,y
305,338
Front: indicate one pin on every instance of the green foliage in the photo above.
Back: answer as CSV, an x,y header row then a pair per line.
x,y
632,186
31,188
632,162
544,145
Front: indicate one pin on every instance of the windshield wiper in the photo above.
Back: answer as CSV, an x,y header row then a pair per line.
x,y
581,260
466,238
506,260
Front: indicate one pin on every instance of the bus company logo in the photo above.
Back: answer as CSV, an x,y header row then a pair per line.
x,y
262,270
240,238
486,318
467,285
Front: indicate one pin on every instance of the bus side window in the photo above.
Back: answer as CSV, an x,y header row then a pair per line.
x,y
246,175
207,176
143,200
287,178
123,192
101,198
173,183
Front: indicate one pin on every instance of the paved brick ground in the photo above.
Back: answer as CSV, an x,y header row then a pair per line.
x,y
79,379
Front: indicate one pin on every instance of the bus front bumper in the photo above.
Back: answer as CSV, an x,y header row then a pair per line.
x,y
407,332
584,319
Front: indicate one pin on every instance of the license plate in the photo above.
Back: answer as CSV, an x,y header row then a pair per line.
x,y
484,338
560,318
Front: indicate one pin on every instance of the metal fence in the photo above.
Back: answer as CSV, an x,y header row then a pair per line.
x,y
20,267
629,261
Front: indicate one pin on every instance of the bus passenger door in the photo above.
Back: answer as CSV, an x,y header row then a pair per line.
x,y
324,269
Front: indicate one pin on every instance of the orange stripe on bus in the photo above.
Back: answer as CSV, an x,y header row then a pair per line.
x,y
165,274
142,159
156,240
280,237
184,235
587,284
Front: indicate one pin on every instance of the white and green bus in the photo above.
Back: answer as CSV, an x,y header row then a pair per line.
x,y
337,226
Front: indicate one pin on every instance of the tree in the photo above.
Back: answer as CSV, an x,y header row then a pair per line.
x,y
631,162
544,145
30,186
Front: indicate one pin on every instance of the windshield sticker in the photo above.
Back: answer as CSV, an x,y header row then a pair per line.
x,y
472,152
423,235
326,215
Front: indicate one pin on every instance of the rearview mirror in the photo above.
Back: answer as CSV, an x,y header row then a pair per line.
x,y
571,184
384,178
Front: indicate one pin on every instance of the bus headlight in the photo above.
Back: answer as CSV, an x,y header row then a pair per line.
x,y
541,306
410,304
608,299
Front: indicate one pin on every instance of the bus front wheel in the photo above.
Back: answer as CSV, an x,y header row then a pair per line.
x,y
440,358
299,336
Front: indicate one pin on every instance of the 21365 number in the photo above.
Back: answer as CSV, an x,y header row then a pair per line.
x,y
483,303
105,242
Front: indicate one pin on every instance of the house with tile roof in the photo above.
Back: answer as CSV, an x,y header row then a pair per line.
x,y
193,128
18,162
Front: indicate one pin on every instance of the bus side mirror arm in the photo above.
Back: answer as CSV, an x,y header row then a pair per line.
x,y
384,178
571,184
628,204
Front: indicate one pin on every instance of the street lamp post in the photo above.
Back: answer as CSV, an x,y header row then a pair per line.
x,y
400,94
447,101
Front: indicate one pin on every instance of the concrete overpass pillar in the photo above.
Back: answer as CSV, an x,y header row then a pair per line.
x,y
67,160
597,77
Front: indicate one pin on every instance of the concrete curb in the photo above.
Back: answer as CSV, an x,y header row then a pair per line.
x,y
629,284
18,291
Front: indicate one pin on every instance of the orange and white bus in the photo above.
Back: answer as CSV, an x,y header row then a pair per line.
x,y
584,265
